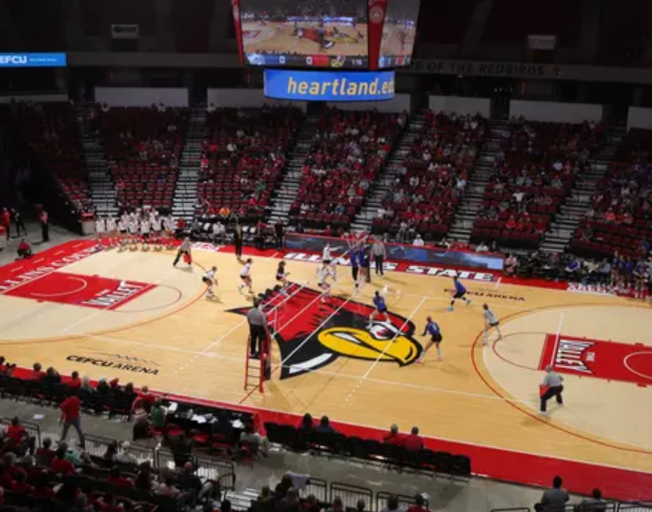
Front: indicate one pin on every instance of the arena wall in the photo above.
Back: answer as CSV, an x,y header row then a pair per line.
x,y
142,96
638,117
459,105
246,98
553,112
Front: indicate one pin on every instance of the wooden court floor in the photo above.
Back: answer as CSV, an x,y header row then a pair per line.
x,y
171,337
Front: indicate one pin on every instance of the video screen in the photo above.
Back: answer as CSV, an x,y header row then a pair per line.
x,y
305,33
399,33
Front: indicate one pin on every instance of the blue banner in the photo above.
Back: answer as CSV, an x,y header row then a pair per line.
x,y
329,85
33,60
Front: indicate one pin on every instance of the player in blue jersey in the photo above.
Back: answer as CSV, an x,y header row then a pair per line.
x,y
356,261
432,328
459,293
381,309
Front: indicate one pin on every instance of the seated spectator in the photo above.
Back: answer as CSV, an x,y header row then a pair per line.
x,y
251,437
290,503
124,457
157,416
392,504
20,484
482,247
86,385
394,436
593,504
106,503
413,441
167,487
24,250
45,454
37,372
16,432
420,504
324,426
6,478
116,478
144,479
61,465
418,241
75,382
336,506
554,498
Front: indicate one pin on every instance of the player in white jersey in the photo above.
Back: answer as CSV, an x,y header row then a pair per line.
x,y
155,236
490,321
282,277
100,231
132,226
122,231
327,257
210,280
144,233
168,225
245,275
323,274
112,230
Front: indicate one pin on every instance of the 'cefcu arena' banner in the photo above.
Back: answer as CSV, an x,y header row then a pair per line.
x,y
331,86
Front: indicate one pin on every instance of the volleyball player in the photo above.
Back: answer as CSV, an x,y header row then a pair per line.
x,y
282,277
381,309
459,293
122,231
356,260
245,276
490,322
100,231
168,225
144,232
327,258
133,228
112,230
323,273
238,241
155,236
640,280
210,280
432,328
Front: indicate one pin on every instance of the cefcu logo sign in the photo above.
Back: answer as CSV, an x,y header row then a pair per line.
x,y
329,86
33,60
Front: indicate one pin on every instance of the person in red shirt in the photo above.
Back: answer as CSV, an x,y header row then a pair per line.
x,y
75,382
37,372
45,454
420,504
15,431
20,485
70,417
116,478
5,220
413,441
148,399
45,226
61,465
24,250
394,436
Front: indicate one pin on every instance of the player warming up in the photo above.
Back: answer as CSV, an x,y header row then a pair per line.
x,y
210,280
184,252
100,231
490,322
432,328
381,309
245,275
459,293
323,274
282,277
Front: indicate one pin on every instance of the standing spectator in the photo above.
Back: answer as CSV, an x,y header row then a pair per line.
x,y
258,329
70,417
45,225
18,222
5,220
553,384
554,498
379,252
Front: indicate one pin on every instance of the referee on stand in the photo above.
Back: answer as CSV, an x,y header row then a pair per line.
x,y
552,386
258,329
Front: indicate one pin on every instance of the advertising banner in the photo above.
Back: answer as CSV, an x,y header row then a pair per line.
x,y
377,10
32,60
329,85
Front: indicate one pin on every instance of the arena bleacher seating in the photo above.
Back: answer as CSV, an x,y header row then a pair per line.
x,y
50,130
143,149
433,178
619,219
347,155
535,171
244,158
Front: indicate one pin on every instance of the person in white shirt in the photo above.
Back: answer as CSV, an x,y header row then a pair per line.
x,y
133,232
144,233
156,225
327,258
490,322
323,274
124,457
210,280
122,231
482,247
219,233
418,241
168,225
245,276
112,230
184,249
100,231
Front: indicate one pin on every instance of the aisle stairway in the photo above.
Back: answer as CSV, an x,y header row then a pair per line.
x,y
467,211
401,150
189,166
289,186
573,209
100,182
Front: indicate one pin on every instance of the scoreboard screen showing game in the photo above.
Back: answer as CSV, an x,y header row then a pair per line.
x,y
305,33
399,33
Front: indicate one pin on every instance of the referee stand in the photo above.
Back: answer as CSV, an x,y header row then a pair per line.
x,y
258,370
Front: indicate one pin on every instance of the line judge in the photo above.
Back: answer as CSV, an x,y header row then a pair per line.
x,y
551,386
258,329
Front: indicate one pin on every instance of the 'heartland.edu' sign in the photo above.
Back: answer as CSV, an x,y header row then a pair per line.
x,y
477,68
